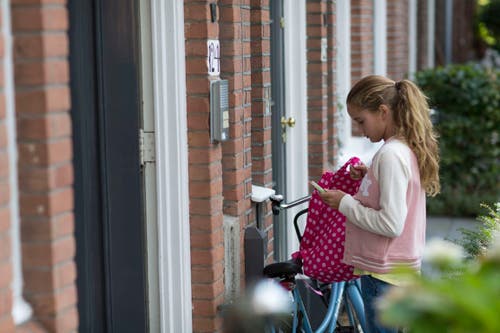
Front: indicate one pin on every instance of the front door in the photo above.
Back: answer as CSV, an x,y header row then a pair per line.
x,y
289,120
108,202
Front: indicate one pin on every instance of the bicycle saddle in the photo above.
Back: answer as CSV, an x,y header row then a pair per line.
x,y
282,269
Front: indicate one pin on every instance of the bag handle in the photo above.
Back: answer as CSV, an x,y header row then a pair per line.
x,y
351,162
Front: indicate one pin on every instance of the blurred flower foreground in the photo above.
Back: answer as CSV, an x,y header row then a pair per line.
x,y
460,294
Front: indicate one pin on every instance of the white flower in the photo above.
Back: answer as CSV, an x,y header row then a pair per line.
x,y
269,298
441,252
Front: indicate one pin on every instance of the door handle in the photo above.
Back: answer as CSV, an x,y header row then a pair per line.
x,y
290,122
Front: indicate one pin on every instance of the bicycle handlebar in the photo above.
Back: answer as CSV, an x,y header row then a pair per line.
x,y
277,204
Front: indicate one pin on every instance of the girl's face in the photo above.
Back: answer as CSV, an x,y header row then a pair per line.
x,y
373,124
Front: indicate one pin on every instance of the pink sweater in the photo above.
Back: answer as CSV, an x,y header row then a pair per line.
x,y
386,219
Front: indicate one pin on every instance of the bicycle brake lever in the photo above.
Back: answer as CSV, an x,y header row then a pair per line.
x,y
276,200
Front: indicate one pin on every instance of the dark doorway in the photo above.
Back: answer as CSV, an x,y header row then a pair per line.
x,y
105,91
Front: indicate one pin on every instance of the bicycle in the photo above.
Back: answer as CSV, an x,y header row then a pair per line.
x,y
338,297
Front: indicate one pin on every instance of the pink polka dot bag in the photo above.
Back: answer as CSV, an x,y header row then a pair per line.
x,y
322,244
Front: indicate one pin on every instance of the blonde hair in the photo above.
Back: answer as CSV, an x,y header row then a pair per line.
x,y
411,116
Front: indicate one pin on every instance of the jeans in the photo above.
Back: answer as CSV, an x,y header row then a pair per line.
x,y
371,290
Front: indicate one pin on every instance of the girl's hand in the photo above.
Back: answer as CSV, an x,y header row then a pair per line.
x,y
332,198
358,171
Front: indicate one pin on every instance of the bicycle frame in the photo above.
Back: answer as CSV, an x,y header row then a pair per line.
x,y
349,291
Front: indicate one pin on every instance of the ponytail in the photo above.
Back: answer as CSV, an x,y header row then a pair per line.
x,y
411,118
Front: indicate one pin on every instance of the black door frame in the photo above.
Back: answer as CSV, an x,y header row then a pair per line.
x,y
109,222
278,111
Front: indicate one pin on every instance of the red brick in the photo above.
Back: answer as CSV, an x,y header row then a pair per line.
x,y
37,2
43,179
206,223
52,125
2,106
53,18
48,228
4,218
204,189
48,99
5,272
47,204
41,72
202,155
43,280
206,324
4,164
205,206
7,324
208,290
206,30
197,12
41,45
46,254
4,193
44,154
203,307
5,302
48,304
207,274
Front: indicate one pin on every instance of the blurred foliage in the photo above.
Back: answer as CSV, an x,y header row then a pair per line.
x,y
465,294
466,100
489,23
476,242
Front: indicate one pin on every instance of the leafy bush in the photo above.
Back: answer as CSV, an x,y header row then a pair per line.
x,y
467,103
489,24
476,242
463,297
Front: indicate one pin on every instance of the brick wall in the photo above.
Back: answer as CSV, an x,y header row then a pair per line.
x,y
221,174
6,321
361,43
235,36
317,88
205,170
397,39
41,75
260,63
333,144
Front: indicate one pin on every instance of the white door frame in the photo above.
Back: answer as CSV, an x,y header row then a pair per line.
x,y
296,107
380,37
412,37
343,78
167,194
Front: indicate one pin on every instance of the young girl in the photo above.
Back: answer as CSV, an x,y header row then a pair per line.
x,y
385,226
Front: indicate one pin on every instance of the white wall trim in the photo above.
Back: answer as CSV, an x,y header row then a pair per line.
x,y
169,86
343,77
431,33
21,310
380,37
296,105
412,38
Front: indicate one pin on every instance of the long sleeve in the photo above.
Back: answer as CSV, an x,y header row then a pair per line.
x,y
392,173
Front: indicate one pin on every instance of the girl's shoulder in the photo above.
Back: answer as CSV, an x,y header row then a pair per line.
x,y
393,152
395,147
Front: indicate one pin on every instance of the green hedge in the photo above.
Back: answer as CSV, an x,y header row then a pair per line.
x,y
466,99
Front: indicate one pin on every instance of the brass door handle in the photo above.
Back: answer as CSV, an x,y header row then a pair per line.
x,y
290,122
